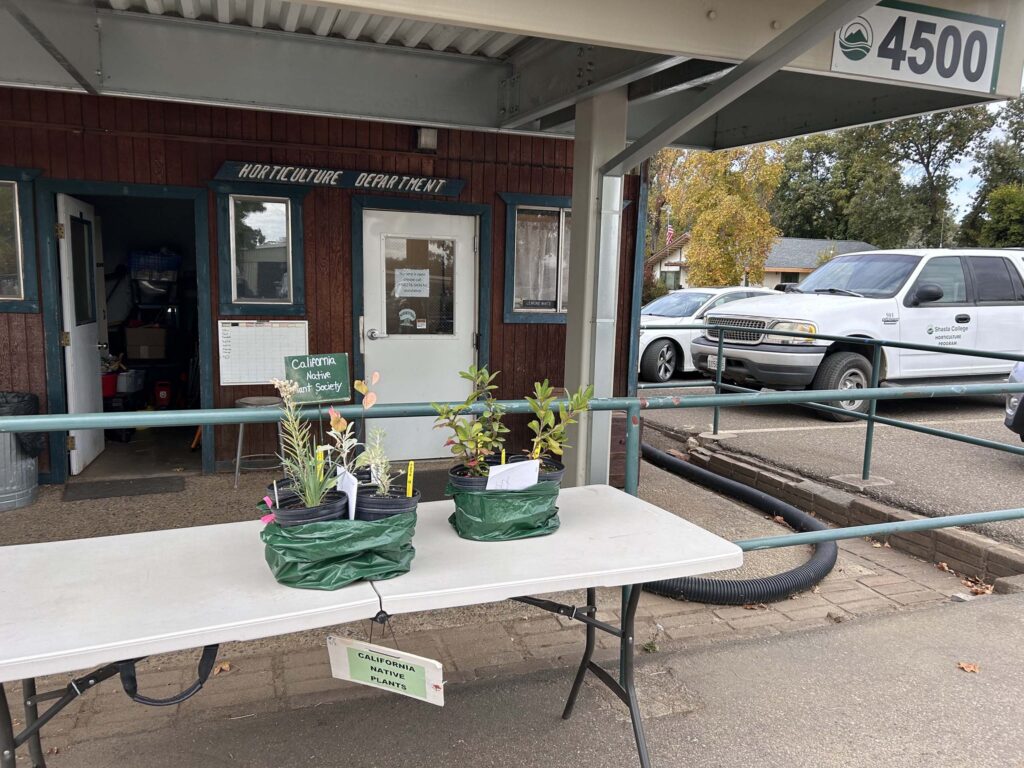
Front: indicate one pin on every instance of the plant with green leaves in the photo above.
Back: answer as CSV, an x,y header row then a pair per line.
x,y
375,458
553,417
474,438
306,464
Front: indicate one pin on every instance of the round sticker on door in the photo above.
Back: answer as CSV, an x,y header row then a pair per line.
x,y
407,317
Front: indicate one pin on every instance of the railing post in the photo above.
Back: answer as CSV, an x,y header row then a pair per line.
x,y
718,379
632,484
869,435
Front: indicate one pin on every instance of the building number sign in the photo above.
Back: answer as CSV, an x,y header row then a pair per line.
x,y
923,45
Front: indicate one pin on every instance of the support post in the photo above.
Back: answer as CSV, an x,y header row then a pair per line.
x,y
869,435
593,276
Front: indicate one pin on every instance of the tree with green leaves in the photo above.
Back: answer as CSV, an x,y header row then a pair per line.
x,y
999,162
1003,224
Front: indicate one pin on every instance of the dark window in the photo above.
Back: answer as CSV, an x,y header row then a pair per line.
x,y
789,277
997,279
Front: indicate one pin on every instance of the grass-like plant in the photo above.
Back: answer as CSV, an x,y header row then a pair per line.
x,y
305,463
375,458
549,425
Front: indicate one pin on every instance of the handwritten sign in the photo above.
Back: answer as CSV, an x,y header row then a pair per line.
x,y
321,378
387,669
412,283
273,173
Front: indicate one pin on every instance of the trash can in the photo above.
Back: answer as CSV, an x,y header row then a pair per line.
x,y
19,476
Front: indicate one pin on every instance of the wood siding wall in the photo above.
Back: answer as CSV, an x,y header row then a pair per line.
x,y
79,137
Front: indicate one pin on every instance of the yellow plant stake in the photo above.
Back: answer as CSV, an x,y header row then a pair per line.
x,y
408,480
502,455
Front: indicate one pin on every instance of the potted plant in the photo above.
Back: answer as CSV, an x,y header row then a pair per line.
x,y
381,497
549,425
477,440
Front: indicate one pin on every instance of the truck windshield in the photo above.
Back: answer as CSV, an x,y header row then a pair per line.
x,y
875,275
681,304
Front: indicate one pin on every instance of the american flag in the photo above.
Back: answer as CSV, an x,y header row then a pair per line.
x,y
669,234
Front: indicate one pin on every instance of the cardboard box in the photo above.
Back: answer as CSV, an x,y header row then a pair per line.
x,y
146,343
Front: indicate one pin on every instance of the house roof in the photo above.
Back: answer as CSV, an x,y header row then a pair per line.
x,y
804,252
676,243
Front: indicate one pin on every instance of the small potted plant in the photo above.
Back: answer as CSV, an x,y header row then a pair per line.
x,y
549,426
477,440
381,497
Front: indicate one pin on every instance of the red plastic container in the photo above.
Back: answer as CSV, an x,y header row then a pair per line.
x,y
162,394
109,384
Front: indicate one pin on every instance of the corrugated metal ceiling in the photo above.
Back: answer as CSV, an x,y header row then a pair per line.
x,y
300,17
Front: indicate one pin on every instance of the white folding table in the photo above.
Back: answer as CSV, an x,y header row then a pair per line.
x,y
109,601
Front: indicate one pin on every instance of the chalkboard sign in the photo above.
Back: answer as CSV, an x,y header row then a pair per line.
x,y
321,378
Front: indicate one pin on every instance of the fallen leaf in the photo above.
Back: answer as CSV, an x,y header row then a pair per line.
x,y
816,590
756,607
779,519
942,567
222,667
876,544
967,666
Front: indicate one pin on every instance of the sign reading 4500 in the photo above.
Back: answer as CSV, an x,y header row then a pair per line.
x,y
921,44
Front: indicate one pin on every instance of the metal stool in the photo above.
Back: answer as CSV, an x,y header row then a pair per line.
x,y
255,402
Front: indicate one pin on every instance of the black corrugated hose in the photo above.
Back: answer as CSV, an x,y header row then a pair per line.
x,y
744,591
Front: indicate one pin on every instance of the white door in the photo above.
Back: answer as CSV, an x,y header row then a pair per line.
x,y
81,342
419,318
999,290
949,322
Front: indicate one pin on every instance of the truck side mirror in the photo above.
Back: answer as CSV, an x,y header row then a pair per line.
x,y
927,292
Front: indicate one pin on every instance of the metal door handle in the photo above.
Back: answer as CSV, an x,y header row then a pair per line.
x,y
963,318
373,334
102,346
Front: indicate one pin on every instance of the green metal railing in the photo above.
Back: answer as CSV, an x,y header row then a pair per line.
x,y
871,417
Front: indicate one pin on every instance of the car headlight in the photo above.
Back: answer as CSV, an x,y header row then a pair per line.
x,y
794,326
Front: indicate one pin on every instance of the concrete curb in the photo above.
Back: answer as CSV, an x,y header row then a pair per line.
x,y
966,552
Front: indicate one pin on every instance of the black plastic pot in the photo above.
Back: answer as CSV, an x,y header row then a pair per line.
x,y
550,471
291,512
370,506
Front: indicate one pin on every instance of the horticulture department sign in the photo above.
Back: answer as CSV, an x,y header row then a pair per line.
x,y
368,181
922,45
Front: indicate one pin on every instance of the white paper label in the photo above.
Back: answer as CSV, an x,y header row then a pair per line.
x,y
513,477
348,483
387,669
412,283
920,44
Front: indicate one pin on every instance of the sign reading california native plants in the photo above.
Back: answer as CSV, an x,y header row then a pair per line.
x,y
321,378
368,181
387,669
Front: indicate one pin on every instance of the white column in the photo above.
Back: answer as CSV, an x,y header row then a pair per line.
x,y
593,277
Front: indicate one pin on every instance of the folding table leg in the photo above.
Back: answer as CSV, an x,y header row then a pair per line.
x,y
626,672
7,745
588,652
35,746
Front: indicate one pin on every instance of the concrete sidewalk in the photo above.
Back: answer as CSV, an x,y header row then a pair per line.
x,y
882,691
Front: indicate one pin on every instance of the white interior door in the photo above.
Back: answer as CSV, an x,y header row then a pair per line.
x,y
81,340
419,318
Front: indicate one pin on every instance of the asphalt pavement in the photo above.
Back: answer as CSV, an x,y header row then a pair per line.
x,y
877,691
930,475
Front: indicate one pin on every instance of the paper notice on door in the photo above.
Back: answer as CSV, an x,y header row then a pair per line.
x,y
348,483
412,283
513,477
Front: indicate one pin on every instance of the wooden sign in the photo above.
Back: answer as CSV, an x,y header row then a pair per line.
x,y
321,378
367,181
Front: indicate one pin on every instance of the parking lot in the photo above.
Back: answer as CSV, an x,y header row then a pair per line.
x,y
929,475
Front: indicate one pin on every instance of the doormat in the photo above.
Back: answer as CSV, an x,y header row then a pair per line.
x,y
108,489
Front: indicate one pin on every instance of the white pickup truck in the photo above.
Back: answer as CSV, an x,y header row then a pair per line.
x,y
943,298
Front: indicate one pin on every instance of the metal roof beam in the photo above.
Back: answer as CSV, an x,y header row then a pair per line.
x,y
70,38
559,75
777,53
690,74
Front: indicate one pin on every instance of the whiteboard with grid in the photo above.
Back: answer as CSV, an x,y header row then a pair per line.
x,y
253,351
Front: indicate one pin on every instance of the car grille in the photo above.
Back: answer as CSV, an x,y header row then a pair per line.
x,y
739,330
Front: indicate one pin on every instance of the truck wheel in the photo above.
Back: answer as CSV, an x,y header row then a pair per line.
x,y
843,370
659,361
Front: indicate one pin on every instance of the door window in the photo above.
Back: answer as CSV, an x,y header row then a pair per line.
x,y
419,286
947,272
997,280
11,281
83,271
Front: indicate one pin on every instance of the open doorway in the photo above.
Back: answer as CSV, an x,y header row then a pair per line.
x,y
129,298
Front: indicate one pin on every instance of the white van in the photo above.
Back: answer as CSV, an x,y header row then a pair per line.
x,y
943,298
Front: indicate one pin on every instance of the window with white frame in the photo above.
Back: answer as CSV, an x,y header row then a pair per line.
x,y
12,272
541,259
261,249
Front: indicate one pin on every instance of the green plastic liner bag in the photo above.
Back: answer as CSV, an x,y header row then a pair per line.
x,y
331,554
505,515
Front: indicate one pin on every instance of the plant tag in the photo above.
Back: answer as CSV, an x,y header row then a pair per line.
x,y
513,477
408,480
502,455
387,669
348,483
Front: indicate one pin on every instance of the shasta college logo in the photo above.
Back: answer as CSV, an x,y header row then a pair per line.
x,y
856,39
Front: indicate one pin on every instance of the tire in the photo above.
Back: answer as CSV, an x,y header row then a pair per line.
x,y
843,370
659,361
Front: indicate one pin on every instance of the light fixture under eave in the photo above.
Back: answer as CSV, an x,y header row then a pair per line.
x,y
426,139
